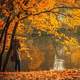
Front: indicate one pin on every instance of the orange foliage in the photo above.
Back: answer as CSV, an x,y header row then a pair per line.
x,y
47,4
1,24
69,1
47,21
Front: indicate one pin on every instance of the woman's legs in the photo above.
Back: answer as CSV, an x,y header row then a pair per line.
x,y
17,65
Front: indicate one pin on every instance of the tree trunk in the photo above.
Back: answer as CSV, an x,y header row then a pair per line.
x,y
4,33
4,29
10,49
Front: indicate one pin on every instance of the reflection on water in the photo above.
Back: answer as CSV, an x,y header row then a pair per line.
x,y
58,64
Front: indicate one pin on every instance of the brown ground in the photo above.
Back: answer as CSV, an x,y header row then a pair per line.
x,y
41,75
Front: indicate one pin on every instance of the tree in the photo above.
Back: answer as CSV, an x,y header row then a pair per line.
x,y
46,15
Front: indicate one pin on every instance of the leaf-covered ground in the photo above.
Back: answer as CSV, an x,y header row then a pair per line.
x,y
41,75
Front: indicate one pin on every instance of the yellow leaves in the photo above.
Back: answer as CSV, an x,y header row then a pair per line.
x,y
74,12
49,21
54,21
70,17
65,49
74,19
66,20
71,42
39,22
20,28
45,22
66,2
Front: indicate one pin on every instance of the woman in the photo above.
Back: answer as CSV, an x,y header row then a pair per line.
x,y
15,54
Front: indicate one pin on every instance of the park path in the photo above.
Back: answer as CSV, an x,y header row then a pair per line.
x,y
41,75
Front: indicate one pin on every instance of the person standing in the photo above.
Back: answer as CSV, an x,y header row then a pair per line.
x,y
16,54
